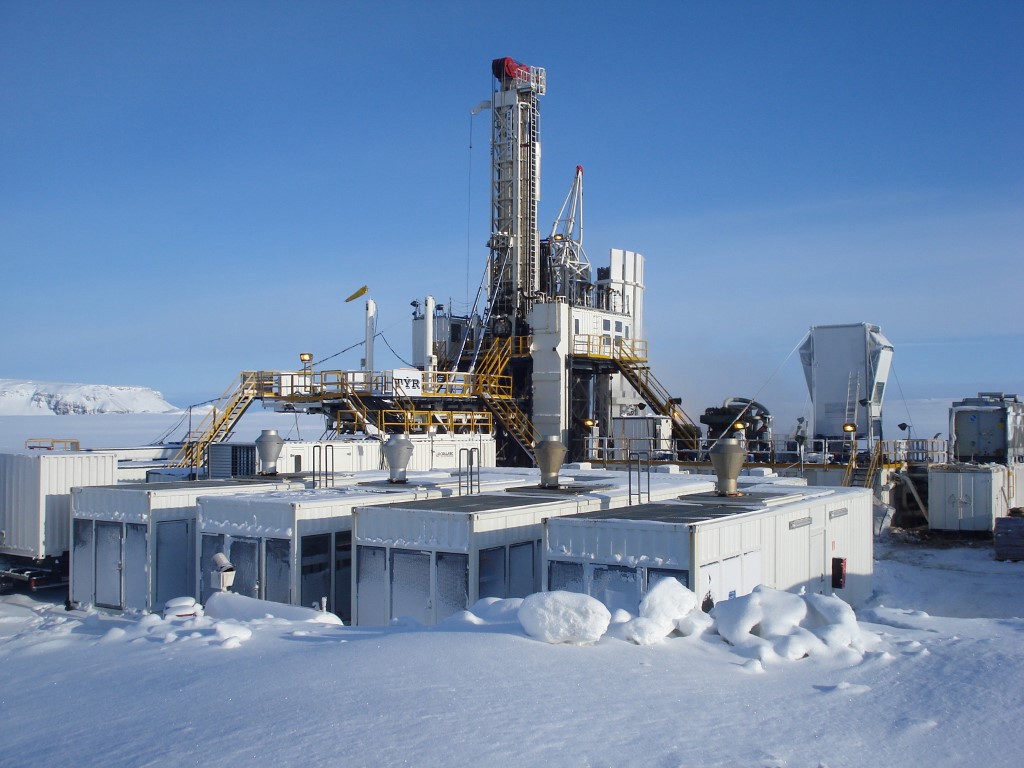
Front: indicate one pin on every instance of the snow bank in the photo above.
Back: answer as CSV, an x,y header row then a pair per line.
x,y
228,605
666,605
564,617
772,624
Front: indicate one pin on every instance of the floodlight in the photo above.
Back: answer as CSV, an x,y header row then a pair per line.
x,y
306,357
849,427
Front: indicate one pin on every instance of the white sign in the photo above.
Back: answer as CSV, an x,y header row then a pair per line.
x,y
407,381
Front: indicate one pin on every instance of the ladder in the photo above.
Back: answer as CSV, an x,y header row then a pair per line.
x,y
220,422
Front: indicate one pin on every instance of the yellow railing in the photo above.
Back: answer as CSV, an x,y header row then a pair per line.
x,y
450,422
609,347
308,386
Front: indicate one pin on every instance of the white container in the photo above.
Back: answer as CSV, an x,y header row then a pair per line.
x,y
134,545
427,560
966,497
296,546
35,501
431,451
719,548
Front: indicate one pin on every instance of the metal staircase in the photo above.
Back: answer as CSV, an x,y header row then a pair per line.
x,y
639,375
514,420
354,406
219,423
494,387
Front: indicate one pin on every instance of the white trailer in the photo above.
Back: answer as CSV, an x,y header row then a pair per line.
x,y
426,560
35,510
296,546
815,539
133,544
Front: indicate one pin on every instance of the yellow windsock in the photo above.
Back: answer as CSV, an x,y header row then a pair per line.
x,y
357,294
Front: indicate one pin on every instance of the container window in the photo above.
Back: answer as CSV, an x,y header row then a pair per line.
x,y
410,585
606,325
82,568
565,576
618,326
452,583
617,587
371,581
492,572
277,568
522,573
654,575
315,565
343,575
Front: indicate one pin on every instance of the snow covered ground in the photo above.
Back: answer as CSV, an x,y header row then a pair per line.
x,y
930,674
935,687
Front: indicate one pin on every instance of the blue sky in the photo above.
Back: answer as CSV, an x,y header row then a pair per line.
x,y
191,189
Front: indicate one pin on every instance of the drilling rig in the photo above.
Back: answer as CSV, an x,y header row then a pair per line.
x,y
550,348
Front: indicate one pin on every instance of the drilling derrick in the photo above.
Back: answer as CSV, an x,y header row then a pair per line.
x,y
514,267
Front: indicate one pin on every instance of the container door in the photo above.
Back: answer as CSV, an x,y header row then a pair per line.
x,y
974,504
277,571
342,605
410,585
522,580
816,577
83,569
175,569
452,584
315,567
244,554
136,574
109,539
371,586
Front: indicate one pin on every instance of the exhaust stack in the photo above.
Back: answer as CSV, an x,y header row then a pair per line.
x,y
268,448
549,454
398,453
727,458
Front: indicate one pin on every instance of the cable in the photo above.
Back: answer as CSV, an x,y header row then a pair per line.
x,y
910,419
385,340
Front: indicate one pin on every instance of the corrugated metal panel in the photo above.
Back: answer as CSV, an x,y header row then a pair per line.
x,y
411,528
966,498
618,542
36,509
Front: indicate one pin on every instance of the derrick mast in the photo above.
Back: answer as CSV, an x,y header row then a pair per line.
x,y
514,268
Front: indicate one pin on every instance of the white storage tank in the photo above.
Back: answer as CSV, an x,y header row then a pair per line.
x,y
133,545
815,539
967,497
35,500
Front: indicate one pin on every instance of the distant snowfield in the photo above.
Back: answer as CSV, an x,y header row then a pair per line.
x,y
930,674
35,398
107,430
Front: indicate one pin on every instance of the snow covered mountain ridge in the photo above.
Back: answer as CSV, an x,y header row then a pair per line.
x,y
42,398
